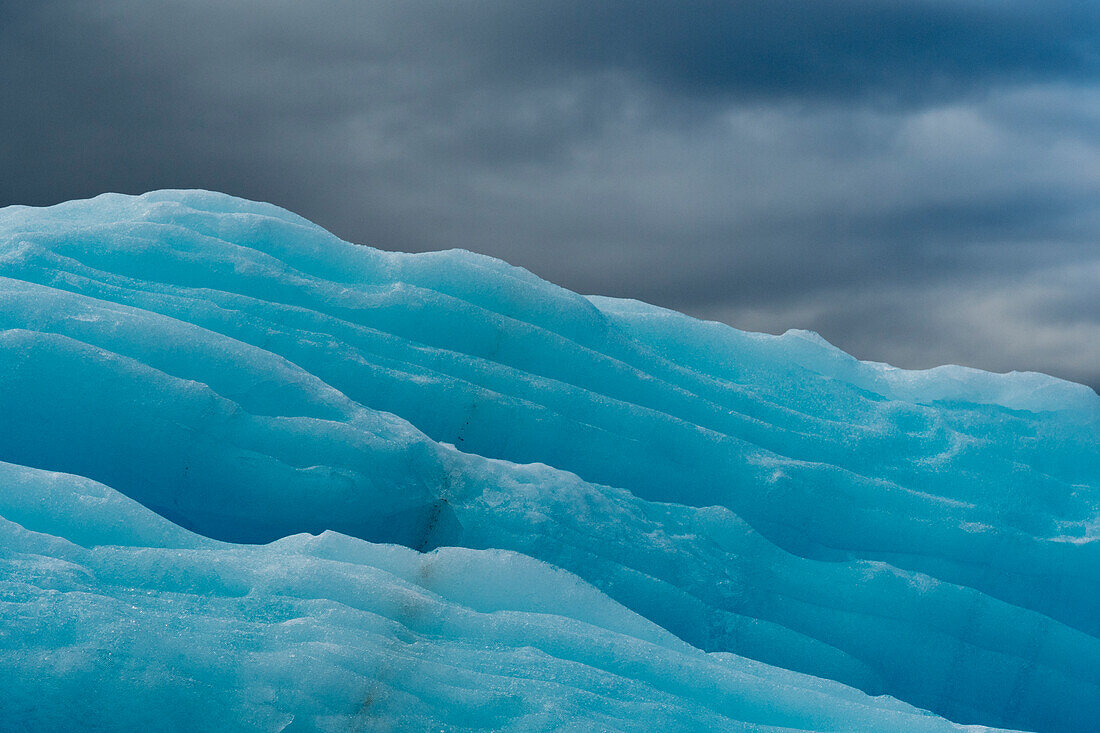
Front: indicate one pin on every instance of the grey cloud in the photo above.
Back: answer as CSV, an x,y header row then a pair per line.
x,y
840,165
898,53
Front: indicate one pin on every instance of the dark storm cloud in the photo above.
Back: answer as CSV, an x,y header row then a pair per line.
x,y
918,181
900,52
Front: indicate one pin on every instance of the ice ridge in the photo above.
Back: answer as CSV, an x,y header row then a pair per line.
x,y
701,526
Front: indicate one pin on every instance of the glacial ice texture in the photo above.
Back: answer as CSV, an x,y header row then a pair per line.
x,y
257,478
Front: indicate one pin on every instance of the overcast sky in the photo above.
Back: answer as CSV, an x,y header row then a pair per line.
x,y
917,181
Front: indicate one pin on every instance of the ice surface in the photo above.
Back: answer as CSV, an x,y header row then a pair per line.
x,y
926,535
160,629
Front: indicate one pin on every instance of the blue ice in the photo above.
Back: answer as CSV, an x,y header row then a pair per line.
x,y
257,478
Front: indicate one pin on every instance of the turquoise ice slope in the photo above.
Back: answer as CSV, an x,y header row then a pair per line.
x,y
643,521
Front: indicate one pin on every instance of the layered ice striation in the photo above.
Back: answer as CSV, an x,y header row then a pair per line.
x,y
116,619
436,490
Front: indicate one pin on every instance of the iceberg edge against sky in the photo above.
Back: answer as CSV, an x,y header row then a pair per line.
x,y
640,517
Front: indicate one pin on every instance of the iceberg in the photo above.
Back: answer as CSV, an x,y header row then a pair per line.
x,y
255,477
106,601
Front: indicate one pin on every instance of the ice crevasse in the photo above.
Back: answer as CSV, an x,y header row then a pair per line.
x,y
253,477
